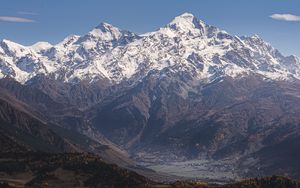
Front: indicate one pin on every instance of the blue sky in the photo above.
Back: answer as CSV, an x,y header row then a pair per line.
x,y
29,21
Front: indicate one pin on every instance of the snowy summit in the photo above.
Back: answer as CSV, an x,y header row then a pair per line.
x,y
185,44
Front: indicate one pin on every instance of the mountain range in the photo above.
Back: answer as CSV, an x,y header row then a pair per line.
x,y
188,95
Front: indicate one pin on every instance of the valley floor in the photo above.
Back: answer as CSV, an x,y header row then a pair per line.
x,y
208,170
87,170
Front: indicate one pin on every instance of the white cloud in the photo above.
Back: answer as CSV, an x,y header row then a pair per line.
x,y
15,19
286,17
27,13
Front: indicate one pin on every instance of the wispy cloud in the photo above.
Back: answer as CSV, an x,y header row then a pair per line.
x,y
27,13
286,17
15,19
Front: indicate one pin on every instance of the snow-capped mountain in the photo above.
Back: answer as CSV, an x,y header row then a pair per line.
x,y
185,44
186,91
73,53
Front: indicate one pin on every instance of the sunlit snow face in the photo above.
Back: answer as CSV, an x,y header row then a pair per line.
x,y
110,53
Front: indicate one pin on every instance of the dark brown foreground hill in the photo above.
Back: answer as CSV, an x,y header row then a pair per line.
x,y
65,170
264,182
36,169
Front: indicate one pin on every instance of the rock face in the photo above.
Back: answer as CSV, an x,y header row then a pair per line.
x,y
33,120
186,91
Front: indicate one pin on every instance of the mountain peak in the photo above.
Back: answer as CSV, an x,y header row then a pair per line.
x,y
69,40
186,15
105,31
102,38
255,36
39,46
252,37
9,42
183,18
106,27
186,22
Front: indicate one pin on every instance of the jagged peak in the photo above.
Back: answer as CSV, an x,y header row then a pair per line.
x,y
186,21
186,15
105,32
5,41
10,43
41,46
13,47
68,40
106,27
71,37
293,58
296,57
254,37
102,32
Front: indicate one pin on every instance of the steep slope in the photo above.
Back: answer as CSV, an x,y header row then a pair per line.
x,y
39,121
18,124
53,104
169,119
